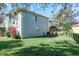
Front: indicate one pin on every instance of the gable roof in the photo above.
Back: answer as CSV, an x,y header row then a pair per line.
x,y
25,10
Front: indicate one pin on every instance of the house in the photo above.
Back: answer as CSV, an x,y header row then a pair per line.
x,y
27,23
75,28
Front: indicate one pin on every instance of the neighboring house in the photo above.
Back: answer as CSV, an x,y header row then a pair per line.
x,y
2,24
75,28
27,23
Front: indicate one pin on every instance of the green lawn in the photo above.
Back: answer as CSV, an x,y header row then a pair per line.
x,y
40,46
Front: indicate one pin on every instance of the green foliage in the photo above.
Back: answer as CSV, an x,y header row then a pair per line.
x,y
2,5
67,27
7,34
76,37
70,34
53,31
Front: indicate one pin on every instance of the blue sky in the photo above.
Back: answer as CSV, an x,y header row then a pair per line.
x,y
47,11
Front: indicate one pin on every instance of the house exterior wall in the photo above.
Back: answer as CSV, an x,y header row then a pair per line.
x,y
9,21
75,29
6,22
13,21
31,28
19,25
27,26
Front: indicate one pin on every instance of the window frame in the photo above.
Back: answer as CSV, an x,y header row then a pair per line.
x,y
35,18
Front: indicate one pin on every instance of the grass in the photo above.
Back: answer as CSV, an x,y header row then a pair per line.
x,y
39,46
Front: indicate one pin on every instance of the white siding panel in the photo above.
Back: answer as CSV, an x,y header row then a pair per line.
x,y
7,22
19,28
29,25
43,24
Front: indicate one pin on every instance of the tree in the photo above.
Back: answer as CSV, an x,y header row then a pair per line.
x,y
2,6
63,15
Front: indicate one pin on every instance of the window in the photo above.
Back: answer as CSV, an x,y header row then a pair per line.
x,y
13,22
10,16
36,18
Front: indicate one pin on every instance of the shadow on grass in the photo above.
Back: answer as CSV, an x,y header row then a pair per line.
x,y
46,50
42,37
10,44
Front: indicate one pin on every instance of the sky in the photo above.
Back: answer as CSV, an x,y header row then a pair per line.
x,y
47,11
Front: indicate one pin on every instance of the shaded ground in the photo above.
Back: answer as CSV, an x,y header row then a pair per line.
x,y
58,46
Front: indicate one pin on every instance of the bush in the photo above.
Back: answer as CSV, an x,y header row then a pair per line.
x,y
48,33
70,34
76,37
17,36
7,34
12,31
67,29
53,31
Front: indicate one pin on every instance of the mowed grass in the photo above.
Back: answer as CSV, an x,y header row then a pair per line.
x,y
39,46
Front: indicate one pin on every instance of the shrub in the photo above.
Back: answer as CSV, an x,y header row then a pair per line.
x,y
7,34
48,33
12,31
76,37
70,34
53,31
67,29
17,36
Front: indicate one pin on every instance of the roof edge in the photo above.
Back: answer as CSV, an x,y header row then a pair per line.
x,y
26,10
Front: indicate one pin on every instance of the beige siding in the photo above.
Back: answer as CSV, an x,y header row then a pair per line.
x,y
75,29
